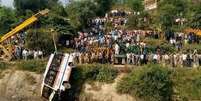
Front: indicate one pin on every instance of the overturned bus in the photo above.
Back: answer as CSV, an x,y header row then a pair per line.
x,y
57,75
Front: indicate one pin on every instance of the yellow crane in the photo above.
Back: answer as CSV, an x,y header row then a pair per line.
x,y
196,31
6,48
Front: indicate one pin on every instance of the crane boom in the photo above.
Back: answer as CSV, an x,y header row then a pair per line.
x,y
6,50
24,24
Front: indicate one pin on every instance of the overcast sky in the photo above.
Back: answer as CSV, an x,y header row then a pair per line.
x,y
9,3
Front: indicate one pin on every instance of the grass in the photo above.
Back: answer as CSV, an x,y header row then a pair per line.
x,y
191,47
89,73
3,66
187,84
37,66
150,83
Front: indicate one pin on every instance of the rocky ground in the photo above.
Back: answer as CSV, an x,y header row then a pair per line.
x,y
25,86
20,86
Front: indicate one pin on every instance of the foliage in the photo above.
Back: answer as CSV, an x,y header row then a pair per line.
x,y
136,5
37,66
7,19
33,5
133,49
170,10
195,18
3,65
80,12
151,83
40,39
191,47
187,84
98,72
88,72
103,6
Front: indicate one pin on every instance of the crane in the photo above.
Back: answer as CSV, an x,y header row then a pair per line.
x,y
196,31
6,49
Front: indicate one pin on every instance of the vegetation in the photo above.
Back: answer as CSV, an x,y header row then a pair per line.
x,y
7,19
187,84
37,66
3,65
151,83
40,39
88,73
98,72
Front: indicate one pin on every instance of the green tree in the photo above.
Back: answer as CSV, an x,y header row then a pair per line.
x,y
169,11
57,19
103,6
195,18
40,39
80,12
7,19
136,5
151,83
33,5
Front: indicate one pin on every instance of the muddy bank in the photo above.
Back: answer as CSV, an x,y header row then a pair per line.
x,y
25,86
20,86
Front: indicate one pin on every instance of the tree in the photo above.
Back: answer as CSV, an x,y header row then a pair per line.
x,y
7,19
150,83
57,19
170,10
103,6
136,5
80,12
195,19
40,39
33,5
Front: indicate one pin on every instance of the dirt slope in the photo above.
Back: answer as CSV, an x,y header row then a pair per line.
x,y
25,86
19,86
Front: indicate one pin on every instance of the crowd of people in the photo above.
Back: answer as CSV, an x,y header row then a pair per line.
x,y
118,45
19,51
103,46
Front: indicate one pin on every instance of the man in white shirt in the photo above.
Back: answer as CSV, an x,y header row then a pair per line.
x,y
24,54
116,49
184,57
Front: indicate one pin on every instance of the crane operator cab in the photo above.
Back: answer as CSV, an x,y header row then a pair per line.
x,y
57,75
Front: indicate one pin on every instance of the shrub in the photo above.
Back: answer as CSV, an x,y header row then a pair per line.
x,y
151,83
37,66
187,84
3,65
106,74
88,72
98,72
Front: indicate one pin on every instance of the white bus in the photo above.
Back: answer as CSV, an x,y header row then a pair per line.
x,y
57,75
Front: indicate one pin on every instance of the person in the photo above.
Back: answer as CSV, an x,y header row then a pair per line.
x,y
24,54
129,59
116,49
35,54
184,57
155,58
166,58
40,54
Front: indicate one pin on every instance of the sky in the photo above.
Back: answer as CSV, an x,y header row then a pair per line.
x,y
9,3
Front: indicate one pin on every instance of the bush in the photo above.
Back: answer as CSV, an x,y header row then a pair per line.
x,y
88,72
151,83
98,72
3,65
106,74
187,84
37,66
